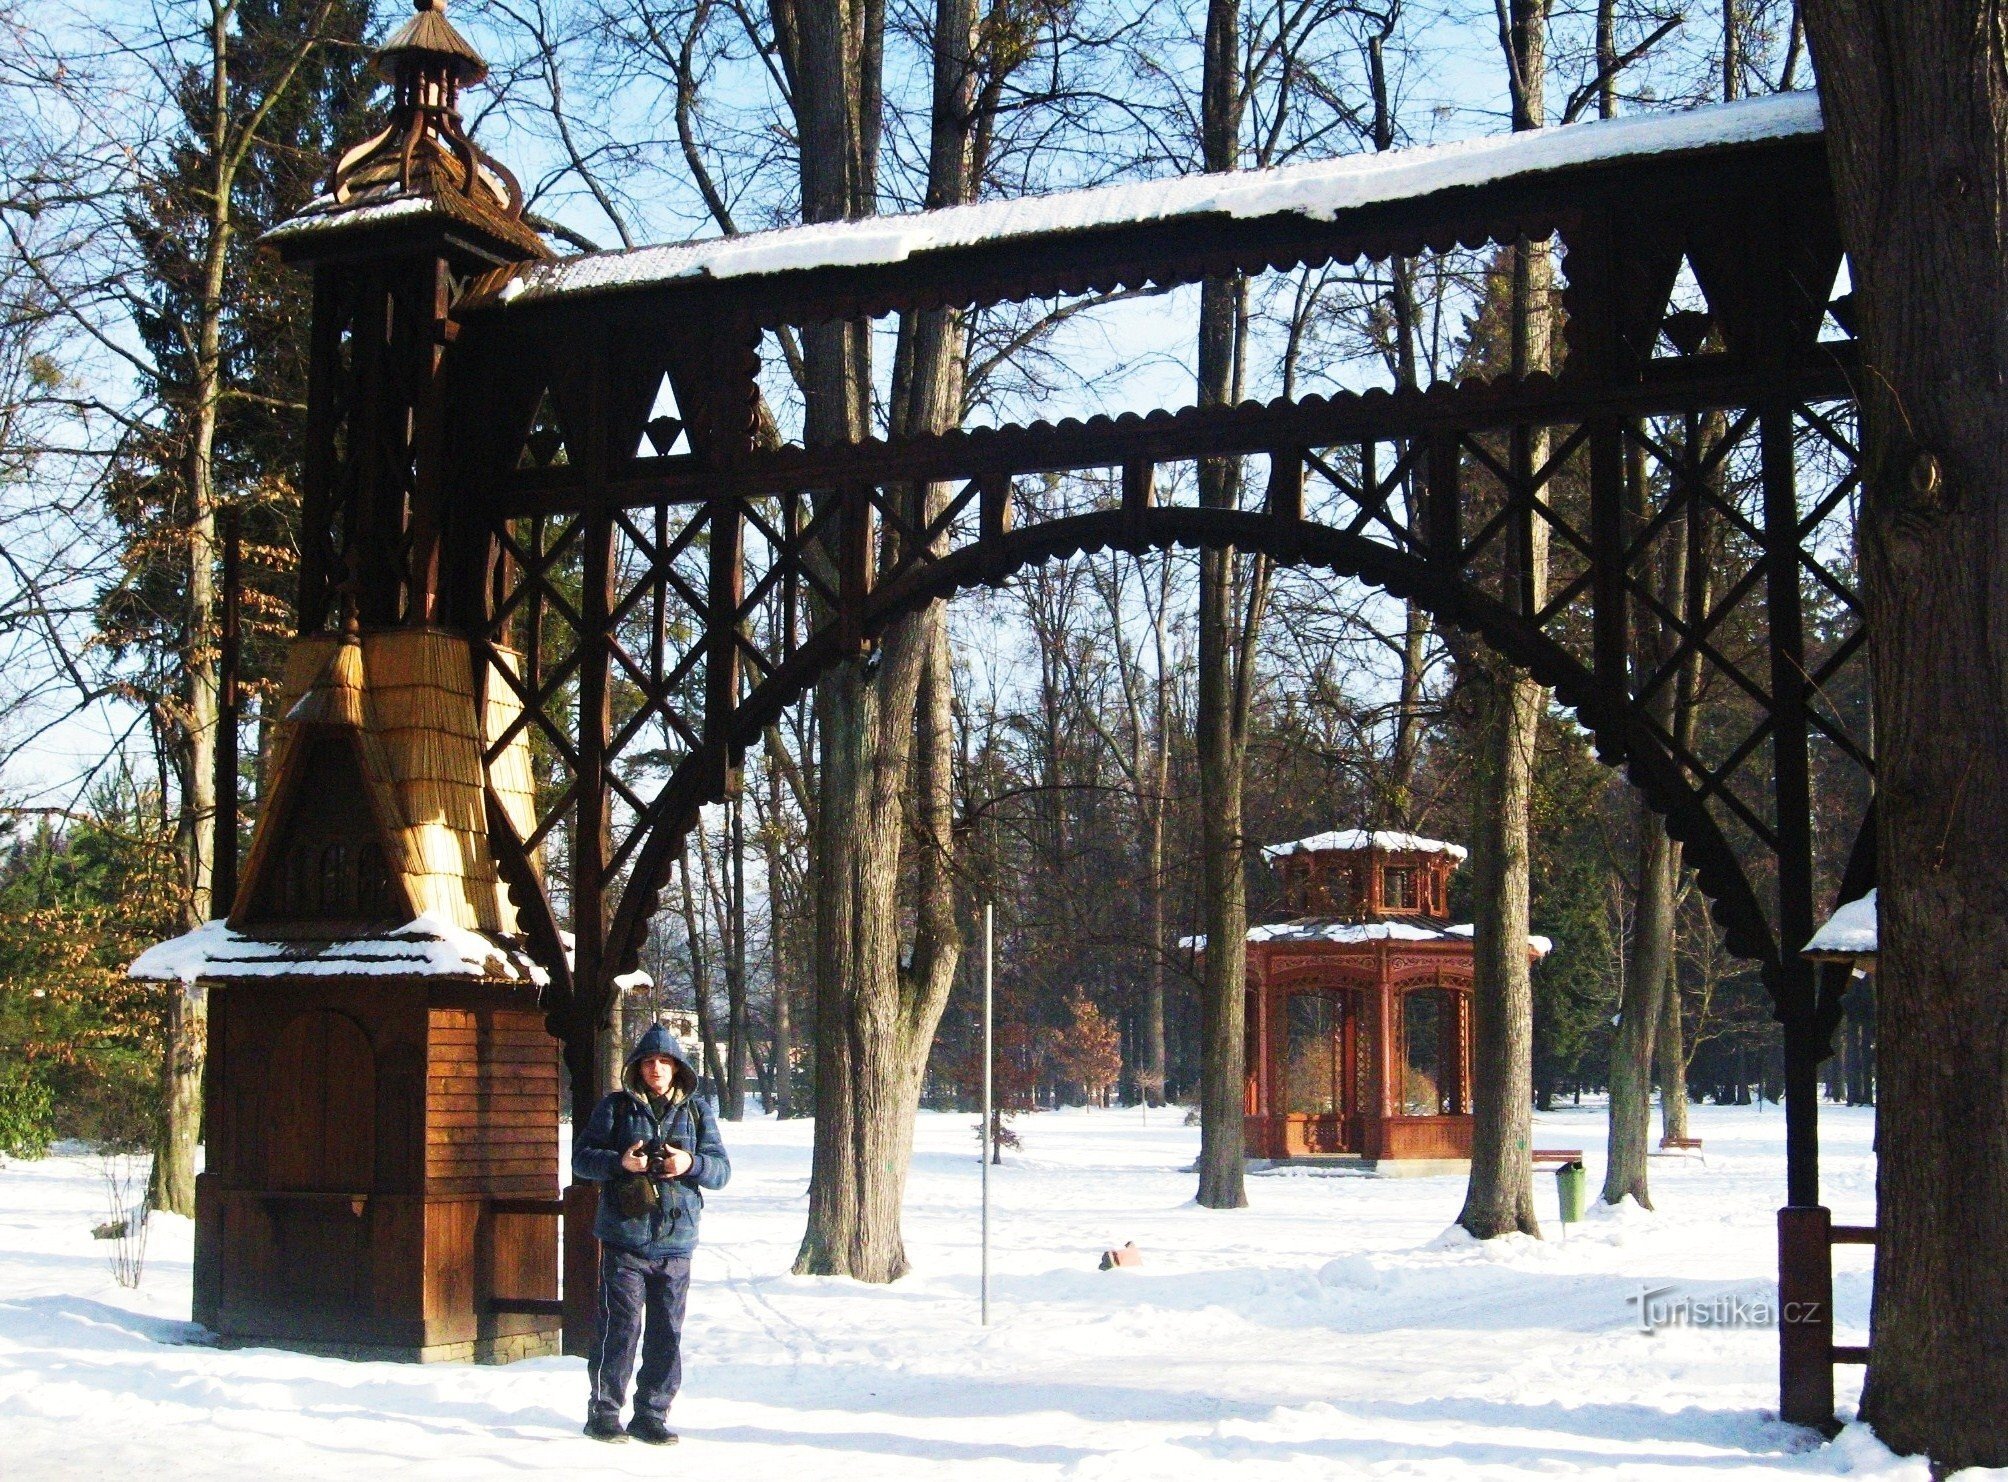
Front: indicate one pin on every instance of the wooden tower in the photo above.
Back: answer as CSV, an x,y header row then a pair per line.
x,y
381,1108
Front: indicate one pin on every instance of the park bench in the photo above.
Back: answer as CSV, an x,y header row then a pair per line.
x,y
1558,1155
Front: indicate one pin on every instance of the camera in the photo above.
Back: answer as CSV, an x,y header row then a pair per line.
x,y
658,1159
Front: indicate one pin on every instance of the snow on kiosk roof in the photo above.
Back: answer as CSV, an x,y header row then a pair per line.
x,y
1848,934
1346,839
1325,189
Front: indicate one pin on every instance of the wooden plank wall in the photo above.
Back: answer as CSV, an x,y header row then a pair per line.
x,y
491,1104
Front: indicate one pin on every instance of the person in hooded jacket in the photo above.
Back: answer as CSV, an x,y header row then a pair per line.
x,y
653,1147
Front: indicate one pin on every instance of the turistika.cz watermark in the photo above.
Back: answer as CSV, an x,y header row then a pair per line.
x,y
1657,1307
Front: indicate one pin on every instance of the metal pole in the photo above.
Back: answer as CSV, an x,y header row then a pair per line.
x,y
989,979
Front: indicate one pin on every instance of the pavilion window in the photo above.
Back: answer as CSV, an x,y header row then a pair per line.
x,y
1398,891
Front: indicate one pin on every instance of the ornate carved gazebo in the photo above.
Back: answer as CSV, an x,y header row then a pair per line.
x,y
1359,1007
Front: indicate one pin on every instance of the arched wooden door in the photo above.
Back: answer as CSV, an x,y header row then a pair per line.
x,y
320,1105
313,1263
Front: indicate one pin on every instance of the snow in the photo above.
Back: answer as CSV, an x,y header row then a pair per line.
x,y
424,947
324,214
1324,189
1354,933
1849,932
1359,838
1336,1328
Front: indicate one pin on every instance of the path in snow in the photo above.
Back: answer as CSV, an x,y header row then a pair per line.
x,y
1331,1329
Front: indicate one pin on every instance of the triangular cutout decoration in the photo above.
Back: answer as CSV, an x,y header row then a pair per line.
x,y
544,445
1837,325
664,434
1689,321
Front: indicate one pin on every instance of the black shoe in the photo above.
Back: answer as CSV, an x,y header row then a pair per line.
x,y
607,1429
648,1428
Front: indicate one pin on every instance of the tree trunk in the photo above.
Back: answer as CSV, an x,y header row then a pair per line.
x,y
1916,100
1154,1058
1222,697
700,968
171,1183
781,1055
1646,974
733,1103
884,730
1500,1196
1670,1045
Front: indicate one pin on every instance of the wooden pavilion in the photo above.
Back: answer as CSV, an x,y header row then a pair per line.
x,y
1359,1008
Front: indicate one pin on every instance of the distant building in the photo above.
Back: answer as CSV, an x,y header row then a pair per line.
x,y
1359,1007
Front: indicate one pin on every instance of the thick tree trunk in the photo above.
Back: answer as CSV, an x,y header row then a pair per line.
x,y
1647,970
1223,688
886,730
1500,1196
1916,101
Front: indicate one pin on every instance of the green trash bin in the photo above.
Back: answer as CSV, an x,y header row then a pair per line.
x,y
1569,1190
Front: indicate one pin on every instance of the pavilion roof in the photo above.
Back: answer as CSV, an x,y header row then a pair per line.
x,y
1349,839
1359,933
1320,190
1849,932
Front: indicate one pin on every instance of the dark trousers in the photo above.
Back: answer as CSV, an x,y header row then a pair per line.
x,y
641,1300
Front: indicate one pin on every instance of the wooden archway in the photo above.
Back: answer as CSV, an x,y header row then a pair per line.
x,y
488,450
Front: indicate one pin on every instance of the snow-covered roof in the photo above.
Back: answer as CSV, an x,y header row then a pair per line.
x,y
1322,189
1359,838
1358,933
1849,932
425,947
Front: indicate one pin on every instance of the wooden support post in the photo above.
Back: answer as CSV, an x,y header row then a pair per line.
x,y
326,385
854,568
994,513
582,1270
1792,778
1446,513
592,844
1286,485
1611,630
723,596
1805,1317
223,871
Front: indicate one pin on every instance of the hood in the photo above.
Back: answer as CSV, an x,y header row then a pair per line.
x,y
658,1040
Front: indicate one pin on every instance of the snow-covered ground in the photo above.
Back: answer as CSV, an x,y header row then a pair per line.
x,y
1333,1328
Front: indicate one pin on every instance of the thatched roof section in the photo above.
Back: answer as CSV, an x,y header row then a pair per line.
x,y
406,697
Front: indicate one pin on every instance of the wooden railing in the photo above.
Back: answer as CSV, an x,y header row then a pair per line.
x,y
576,1304
1807,1352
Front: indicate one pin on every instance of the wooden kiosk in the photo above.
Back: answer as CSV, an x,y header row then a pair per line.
x,y
1359,1008
381,1106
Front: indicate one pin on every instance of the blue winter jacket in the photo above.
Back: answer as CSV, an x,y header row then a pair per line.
x,y
620,1121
